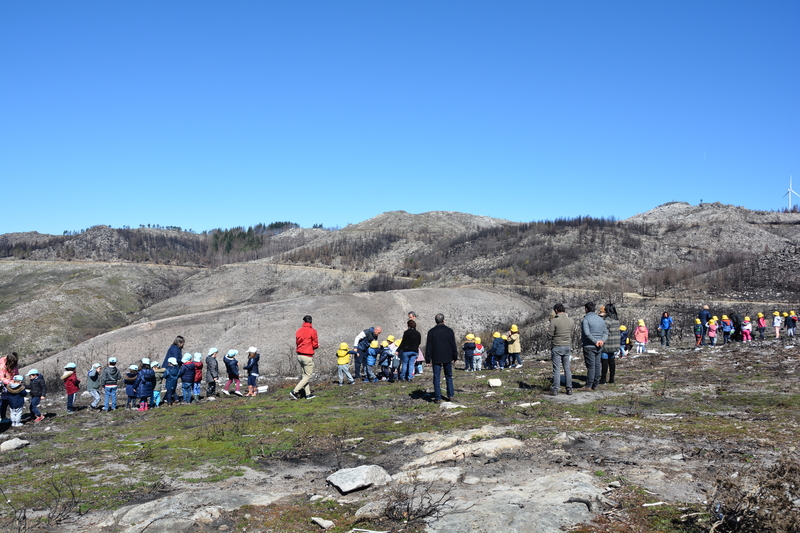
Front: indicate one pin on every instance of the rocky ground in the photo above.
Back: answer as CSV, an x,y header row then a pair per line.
x,y
636,456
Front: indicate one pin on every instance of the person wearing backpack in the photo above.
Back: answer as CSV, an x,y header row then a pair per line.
x,y
93,385
726,324
761,325
791,324
361,345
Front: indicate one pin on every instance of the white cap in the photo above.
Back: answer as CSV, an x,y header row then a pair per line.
x,y
252,349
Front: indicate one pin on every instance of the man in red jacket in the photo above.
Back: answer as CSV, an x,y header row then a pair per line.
x,y
307,342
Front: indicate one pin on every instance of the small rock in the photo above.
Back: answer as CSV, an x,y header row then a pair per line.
x,y
321,522
13,444
528,404
316,497
561,438
211,399
451,405
371,510
615,484
495,383
350,479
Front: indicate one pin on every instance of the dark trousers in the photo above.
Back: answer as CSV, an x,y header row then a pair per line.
x,y
448,377
608,366
359,360
591,358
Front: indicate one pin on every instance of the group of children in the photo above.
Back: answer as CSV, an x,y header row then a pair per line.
x,y
504,352
385,355
742,331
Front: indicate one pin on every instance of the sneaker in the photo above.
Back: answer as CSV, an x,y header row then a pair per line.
x,y
518,366
226,393
569,392
237,393
39,418
293,395
308,397
351,383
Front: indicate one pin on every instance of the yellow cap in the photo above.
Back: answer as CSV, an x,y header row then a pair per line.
x,y
514,328
390,338
747,319
374,344
785,313
715,317
724,317
791,313
760,315
712,321
504,338
776,313
470,337
385,344
697,321
477,340
343,346
496,335
641,322
623,328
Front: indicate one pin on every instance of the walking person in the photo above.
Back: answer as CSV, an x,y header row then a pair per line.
x,y
232,368
594,334
664,328
704,316
777,322
38,393
761,325
343,363
307,342
560,333
441,352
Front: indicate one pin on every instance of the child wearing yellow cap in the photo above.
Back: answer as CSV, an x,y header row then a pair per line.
x,y
761,325
698,332
640,336
747,329
343,364
777,322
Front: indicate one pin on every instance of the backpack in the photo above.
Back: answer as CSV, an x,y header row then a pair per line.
x,y
726,326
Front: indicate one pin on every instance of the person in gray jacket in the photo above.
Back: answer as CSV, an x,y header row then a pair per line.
x,y
594,334
560,333
212,372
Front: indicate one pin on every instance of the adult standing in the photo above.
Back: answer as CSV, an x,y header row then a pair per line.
x,y
307,341
8,369
560,333
514,348
212,372
441,352
704,316
174,351
361,344
409,349
594,334
664,327
608,360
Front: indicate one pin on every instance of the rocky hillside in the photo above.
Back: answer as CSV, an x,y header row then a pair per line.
x,y
676,250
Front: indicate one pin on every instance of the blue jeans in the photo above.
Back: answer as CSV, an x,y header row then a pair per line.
x,y
407,365
35,401
71,402
187,392
110,401
448,377
591,357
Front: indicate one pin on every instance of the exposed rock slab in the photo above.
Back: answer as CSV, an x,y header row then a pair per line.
x,y
361,477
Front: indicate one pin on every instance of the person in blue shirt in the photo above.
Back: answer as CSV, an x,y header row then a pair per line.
x,y
665,328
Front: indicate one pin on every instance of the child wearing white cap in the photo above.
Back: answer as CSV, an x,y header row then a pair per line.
x,y
38,393
93,385
252,370
71,384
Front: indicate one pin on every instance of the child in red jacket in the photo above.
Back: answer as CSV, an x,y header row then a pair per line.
x,y
72,384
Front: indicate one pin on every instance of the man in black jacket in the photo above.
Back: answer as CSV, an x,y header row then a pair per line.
x,y
441,352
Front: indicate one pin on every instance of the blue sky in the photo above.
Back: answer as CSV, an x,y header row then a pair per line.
x,y
218,114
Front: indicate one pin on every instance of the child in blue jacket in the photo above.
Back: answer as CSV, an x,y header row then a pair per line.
x,y
252,370
130,385
171,380
16,400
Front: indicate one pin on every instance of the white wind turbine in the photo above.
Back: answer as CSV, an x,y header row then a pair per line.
x,y
790,192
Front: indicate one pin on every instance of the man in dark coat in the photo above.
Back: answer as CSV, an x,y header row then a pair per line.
x,y
441,352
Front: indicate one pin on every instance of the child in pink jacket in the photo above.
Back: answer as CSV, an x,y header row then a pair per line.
x,y
712,332
641,336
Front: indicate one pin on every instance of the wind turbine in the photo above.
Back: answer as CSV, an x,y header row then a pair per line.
x,y
790,192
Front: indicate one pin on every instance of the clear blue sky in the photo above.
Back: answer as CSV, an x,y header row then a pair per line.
x,y
218,114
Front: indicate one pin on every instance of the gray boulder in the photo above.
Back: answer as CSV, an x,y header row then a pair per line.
x,y
361,477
